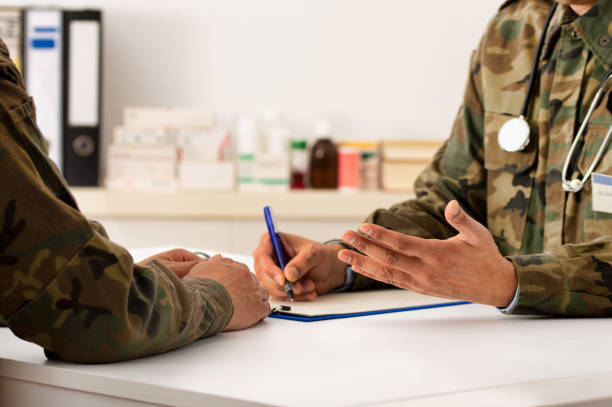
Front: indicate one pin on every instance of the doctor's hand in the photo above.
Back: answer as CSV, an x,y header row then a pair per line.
x,y
467,266
249,298
180,261
314,268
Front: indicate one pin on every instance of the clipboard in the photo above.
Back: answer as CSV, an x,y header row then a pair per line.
x,y
357,304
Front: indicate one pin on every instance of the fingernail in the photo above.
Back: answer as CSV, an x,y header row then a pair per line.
x,y
457,210
293,273
278,279
347,237
345,257
366,229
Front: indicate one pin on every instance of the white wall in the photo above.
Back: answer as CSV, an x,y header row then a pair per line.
x,y
377,68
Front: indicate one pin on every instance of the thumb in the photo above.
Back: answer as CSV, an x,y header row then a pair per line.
x,y
471,230
298,266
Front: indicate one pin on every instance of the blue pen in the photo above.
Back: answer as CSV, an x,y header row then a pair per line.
x,y
278,248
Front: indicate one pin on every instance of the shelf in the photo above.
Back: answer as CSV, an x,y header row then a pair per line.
x,y
298,205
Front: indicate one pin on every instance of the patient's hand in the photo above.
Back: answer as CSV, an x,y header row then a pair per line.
x,y
180,261
249,298
314,268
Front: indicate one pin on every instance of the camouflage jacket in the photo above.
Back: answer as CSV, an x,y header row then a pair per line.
x,y
63,284
561,248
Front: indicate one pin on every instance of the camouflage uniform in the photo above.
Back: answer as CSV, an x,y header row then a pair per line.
x,y
64,285
561,248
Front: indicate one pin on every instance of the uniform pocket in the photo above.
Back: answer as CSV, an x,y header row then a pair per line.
x,y
510,178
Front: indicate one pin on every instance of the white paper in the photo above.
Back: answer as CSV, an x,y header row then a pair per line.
x,y
359,301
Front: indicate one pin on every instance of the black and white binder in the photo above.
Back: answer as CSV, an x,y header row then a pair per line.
x,y
82,84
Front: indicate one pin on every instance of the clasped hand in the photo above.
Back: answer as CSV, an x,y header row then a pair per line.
x,y
249,299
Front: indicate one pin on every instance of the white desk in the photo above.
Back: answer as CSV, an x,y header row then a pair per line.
x,y
462,355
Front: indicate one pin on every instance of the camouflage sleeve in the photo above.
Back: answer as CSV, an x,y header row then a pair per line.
x,y
573,280
456,172
64,284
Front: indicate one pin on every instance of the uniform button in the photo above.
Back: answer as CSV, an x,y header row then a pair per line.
x,y
574,35
603,41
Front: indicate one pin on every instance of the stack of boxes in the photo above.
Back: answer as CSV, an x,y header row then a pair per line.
x,y
159,148
403,161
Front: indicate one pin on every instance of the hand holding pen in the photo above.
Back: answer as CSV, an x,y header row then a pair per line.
x,y
278,249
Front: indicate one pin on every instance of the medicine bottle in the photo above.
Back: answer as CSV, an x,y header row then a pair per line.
x,y
323,160
299,164
246,146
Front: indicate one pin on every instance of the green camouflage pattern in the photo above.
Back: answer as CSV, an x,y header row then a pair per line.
x,y
64,285
561,248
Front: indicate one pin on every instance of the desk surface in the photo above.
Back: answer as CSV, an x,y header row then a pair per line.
x,y
461,355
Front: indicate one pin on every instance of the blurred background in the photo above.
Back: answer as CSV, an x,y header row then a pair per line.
x,y
367,71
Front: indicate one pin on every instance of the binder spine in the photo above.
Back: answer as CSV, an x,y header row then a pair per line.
x,y
82,86
42,64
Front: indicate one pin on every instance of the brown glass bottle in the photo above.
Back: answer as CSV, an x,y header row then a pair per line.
x,y
324,165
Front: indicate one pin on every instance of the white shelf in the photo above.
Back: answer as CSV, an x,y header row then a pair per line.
x,y
298,205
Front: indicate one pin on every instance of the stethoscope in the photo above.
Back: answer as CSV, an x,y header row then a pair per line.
x,y
514,134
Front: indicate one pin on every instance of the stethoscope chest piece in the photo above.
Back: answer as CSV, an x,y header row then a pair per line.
x,y
514,134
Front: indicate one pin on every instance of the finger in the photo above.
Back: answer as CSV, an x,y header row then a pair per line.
x,y
311,296
221,259
379,251
300,264
262,303
275,289
181,269
266,309
265,295
303,286
307,285
409,245
472,230
376,270
182,255
268,279
265,264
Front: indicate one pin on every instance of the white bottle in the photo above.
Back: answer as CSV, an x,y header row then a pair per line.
x,y
247,142
273,166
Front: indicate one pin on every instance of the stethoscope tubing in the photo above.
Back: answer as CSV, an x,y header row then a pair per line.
x,y
576,184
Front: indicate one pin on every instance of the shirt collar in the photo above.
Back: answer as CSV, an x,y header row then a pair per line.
x,y
563,15
595,29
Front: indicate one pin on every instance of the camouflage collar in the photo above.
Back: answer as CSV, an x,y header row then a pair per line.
x,y
563,15
593,28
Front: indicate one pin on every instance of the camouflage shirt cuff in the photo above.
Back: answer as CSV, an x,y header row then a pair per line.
x,y
218,299
539,291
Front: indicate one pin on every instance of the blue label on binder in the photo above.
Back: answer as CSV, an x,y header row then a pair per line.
x,y
46,29
43,43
